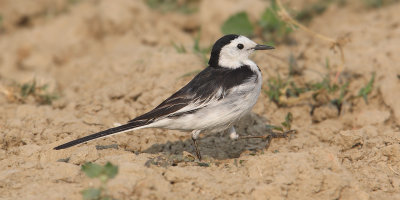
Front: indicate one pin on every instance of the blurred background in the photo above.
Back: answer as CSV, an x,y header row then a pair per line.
x,y
73,67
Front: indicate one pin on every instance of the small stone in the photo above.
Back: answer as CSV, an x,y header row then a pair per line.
x,y
327,111
349,139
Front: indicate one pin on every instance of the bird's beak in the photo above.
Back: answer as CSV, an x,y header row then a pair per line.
x,y
263,47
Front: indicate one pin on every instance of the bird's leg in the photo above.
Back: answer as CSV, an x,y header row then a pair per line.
x,y
195,135
270,136
232,133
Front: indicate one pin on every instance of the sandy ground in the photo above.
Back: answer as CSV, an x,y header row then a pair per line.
x,y
113,60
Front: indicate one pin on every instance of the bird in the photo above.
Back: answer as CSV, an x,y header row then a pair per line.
x,y
216,98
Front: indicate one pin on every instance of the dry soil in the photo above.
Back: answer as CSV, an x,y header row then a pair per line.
x,y
110,61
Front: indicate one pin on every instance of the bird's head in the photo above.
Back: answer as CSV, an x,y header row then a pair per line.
x,y
232,50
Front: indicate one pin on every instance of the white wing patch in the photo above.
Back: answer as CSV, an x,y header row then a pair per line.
x,y
197,104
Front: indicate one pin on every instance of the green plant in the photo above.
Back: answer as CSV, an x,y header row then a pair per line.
x,y
325,84
378,3
273,28
286,124
1,21
288,121
312,10
337,43
74,1
182,6
373,3
291,90
202,52
238,24
367,89
179,48
275,87
278,87
28,88
104,174
40,93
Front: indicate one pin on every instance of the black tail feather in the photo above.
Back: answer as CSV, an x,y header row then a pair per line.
x,y
104,133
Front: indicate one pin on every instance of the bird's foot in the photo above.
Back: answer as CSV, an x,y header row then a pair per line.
x,y
196,149
232,134
195,135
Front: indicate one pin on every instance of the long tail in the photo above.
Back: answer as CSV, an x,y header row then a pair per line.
x,y
123,128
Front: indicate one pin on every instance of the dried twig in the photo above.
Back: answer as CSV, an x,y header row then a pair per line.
x,y
397,173
334,43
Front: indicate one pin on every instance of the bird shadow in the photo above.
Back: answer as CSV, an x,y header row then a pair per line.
x,y
219,146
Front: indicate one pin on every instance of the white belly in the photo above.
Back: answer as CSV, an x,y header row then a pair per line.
x,y
218,115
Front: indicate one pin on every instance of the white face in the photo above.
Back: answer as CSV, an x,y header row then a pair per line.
x,y
233,56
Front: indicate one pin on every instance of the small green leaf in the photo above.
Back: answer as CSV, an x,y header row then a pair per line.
x,y
325,84
343,92
47,99
272,26
374,3
74,1
203,164
91,194
196,45
288,120
179,48
270,20
273,127
367,89
238,24
275,85
199,51
312,10
289,117
185,7
327,64
28,88
92,170
110,170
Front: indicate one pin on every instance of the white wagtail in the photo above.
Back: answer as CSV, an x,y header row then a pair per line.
x,y
213,101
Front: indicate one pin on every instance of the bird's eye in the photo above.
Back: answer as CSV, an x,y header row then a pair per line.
x,y
240,46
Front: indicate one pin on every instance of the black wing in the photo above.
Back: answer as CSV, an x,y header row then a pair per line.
x,y
201,90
